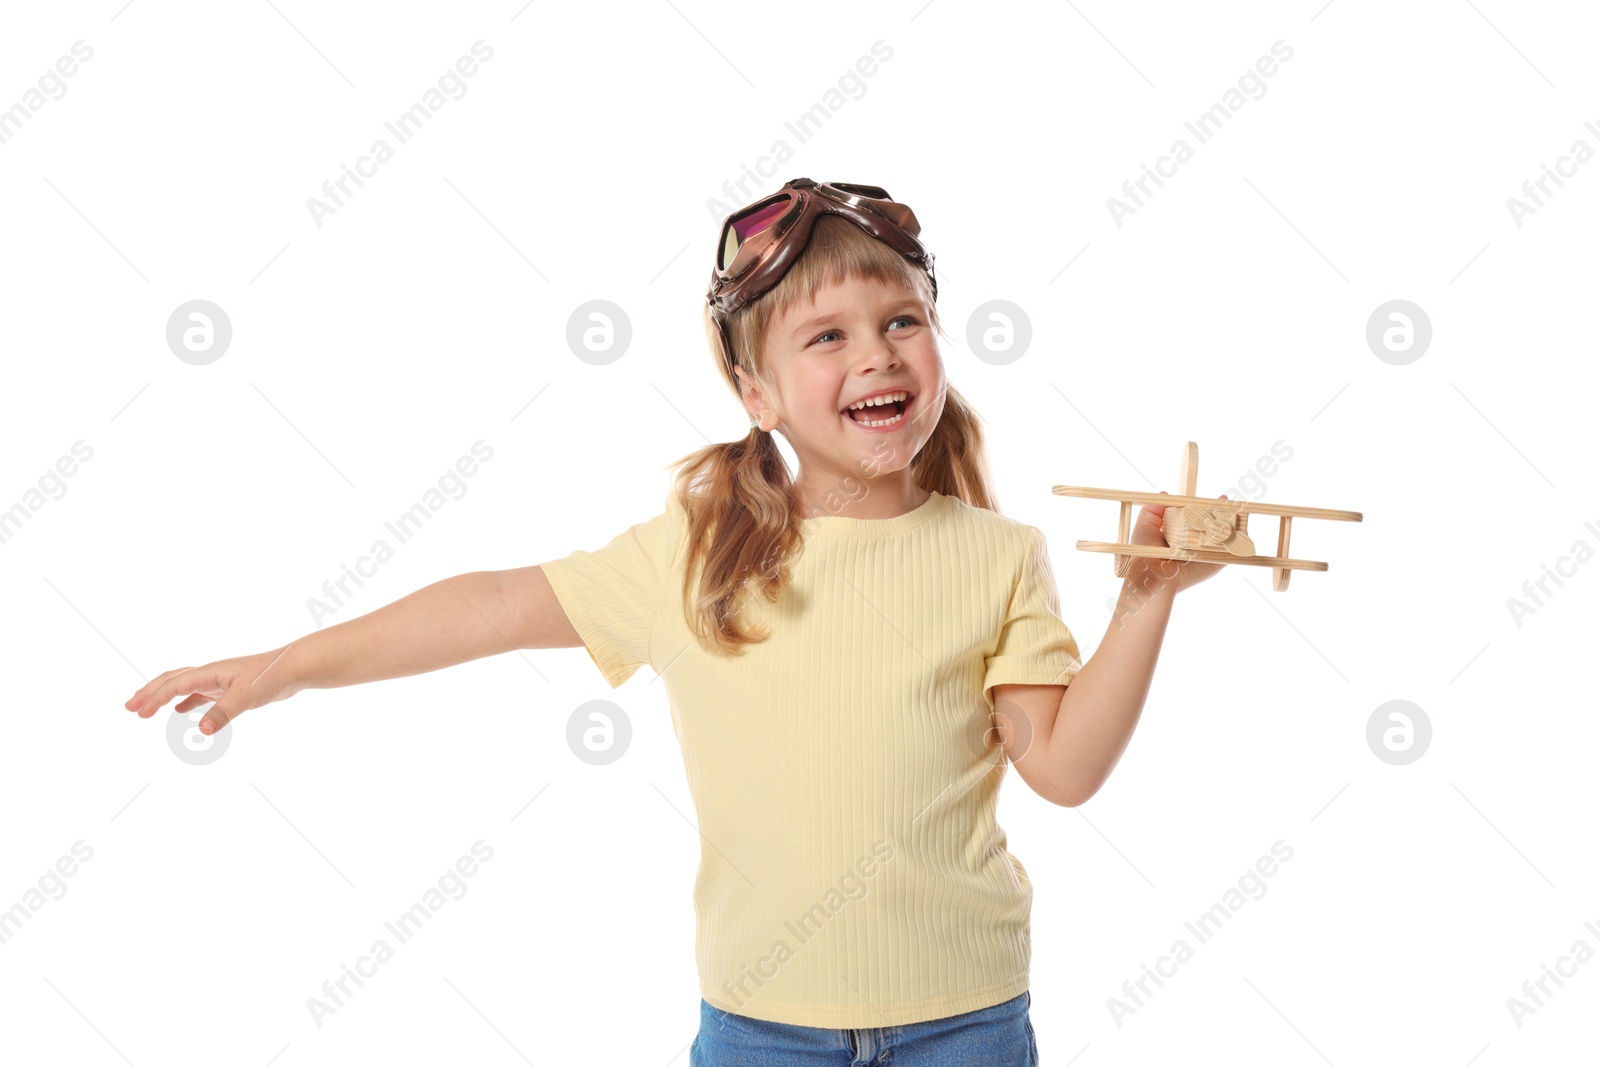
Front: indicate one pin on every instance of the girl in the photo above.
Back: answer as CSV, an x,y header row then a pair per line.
x,y
852,656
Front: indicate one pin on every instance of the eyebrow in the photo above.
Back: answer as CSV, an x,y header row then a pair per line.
x,y
823,320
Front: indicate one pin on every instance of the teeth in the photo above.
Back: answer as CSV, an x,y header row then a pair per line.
x,y
877,401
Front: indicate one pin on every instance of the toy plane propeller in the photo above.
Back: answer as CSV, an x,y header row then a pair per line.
x,y
1208,531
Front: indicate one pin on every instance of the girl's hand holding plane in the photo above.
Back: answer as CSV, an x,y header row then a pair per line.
x,y
1148,573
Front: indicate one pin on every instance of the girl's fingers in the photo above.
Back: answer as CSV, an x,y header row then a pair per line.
x,y
211,721
215,719
149,689
189,680
152,701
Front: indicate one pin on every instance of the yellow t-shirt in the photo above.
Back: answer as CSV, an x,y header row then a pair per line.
x,y
852,873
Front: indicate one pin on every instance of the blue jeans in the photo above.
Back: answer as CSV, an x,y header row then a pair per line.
x,y
998,1036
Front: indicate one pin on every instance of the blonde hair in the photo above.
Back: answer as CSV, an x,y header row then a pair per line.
x,y
744,516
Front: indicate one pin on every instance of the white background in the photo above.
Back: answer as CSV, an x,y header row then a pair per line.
x,y
430,312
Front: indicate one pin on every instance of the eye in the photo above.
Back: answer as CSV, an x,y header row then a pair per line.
x,y
908,318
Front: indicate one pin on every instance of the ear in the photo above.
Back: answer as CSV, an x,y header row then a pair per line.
x,y
755,403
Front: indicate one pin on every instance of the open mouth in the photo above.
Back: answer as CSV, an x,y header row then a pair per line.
x,y
882,416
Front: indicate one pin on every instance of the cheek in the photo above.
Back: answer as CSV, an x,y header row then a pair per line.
x,y
821,392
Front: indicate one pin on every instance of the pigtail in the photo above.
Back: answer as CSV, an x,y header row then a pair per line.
x,y
743,521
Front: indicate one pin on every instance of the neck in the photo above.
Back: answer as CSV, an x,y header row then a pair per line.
x,y
883,497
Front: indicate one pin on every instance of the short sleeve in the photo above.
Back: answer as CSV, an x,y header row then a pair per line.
x,y
612,595
1035,647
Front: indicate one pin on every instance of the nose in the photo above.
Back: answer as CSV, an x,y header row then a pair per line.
x,y
881,355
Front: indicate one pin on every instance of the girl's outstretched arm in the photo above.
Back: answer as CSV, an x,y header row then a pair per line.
x,y
1073,736
451,621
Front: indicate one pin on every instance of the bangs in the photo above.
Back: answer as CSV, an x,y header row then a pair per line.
x,y
839,251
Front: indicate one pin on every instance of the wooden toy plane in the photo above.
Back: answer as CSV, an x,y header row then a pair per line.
x,y
1202,529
